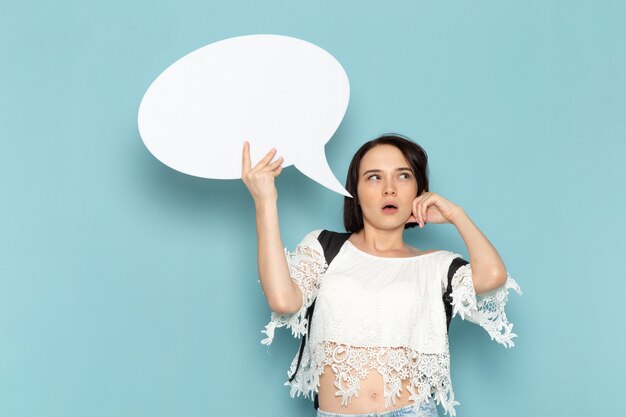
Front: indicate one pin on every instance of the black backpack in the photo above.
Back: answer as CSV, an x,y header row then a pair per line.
x,y
331,243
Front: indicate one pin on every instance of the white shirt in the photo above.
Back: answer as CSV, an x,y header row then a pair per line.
x,y
383,314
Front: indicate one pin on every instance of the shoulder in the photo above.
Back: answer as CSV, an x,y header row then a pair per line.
x,y
444,257
443,261
310,240
313,234
447,254
314,240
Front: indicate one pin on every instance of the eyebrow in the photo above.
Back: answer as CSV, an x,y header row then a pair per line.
x,y
372,171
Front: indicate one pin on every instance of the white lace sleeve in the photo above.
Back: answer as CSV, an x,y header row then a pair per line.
x,y
306,267
487,309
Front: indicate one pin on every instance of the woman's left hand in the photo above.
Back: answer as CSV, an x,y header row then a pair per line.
x,y
433,208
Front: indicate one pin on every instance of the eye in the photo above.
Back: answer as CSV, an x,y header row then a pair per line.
x,y
371,176
406,174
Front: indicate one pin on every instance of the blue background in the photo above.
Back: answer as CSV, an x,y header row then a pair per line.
x,y
129,289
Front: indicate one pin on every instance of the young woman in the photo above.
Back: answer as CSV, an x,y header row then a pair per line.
x,y
378,341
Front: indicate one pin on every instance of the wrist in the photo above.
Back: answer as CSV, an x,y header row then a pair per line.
x,y
457,215
265,204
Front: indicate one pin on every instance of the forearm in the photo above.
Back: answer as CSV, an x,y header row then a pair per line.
x,y
488,270
272,263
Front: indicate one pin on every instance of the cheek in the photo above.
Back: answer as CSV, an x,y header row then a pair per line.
x,y
411,190
365,194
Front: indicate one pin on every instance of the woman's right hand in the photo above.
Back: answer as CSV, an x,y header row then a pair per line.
x,y
260,179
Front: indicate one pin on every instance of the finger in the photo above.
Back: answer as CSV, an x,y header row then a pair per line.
x,y
273,165
245,158
414,210
416,202
277,171
433,201
266,159
263,162
424,208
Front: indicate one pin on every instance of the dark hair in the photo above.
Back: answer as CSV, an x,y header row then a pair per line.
x,y
414,154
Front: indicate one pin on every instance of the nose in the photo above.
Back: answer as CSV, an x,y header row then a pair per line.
x,y
389,189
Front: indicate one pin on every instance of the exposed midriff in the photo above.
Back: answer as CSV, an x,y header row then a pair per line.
x,y
370,398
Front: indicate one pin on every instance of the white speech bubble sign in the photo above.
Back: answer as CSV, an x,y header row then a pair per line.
x,y
273,91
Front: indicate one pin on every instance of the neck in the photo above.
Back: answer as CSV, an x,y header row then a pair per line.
x,y
381,240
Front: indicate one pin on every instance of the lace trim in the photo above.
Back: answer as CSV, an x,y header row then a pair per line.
x,y
428,374
486,310
306,267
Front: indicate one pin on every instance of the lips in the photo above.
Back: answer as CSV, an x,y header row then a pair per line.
x,y
390,207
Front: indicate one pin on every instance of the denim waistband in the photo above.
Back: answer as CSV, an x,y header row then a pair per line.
x,y
428,409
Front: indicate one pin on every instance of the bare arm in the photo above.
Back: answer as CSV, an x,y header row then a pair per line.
x,y
282,293
488,270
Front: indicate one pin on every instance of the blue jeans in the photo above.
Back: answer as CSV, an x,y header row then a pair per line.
x,y
427,409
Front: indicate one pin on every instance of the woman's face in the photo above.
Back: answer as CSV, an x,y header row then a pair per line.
x,y
386,178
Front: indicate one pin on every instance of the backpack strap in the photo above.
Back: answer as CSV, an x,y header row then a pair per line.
x,y
331,243
447,299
